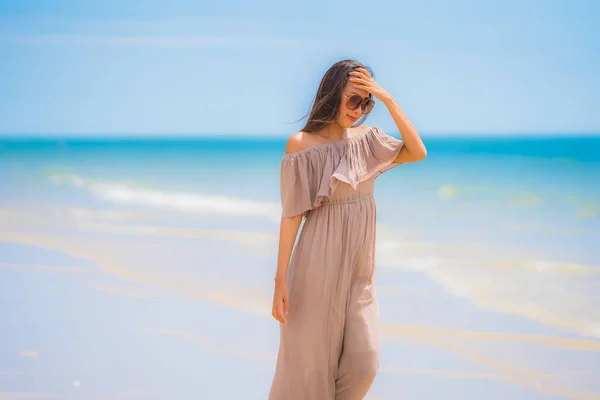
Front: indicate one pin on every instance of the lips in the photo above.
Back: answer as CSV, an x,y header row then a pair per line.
x,y
352,118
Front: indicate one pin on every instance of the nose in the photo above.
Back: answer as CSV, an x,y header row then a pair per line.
x,y
356,113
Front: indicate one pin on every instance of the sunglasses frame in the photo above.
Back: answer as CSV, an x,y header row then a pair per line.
x,y
362,104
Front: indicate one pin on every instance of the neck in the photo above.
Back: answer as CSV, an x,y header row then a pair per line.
x,y
333,131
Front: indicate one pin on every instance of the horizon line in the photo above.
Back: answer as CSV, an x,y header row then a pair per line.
x,y
262,135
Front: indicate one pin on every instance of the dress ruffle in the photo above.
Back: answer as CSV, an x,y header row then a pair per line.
x,y
310,175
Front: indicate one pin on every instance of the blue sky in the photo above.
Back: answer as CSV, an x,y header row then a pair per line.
x,y
183,66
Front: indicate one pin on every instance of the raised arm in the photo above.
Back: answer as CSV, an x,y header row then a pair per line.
x,y
413,149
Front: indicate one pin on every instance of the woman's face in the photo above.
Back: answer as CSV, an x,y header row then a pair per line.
x,y
348,117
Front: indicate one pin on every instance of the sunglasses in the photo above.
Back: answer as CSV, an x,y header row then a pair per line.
x,y
354,101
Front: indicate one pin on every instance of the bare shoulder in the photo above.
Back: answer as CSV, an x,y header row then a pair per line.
x,y
295,142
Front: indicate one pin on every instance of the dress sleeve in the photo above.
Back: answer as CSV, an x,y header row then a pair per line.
x,y
384,150
297,190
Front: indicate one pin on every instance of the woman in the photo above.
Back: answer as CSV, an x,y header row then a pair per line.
x,y
329,345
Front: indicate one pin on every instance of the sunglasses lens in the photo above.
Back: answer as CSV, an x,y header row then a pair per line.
x,y
354,101
368,106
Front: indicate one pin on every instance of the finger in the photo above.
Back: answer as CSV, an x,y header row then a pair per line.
x,y
361,77
277,317
360,72
356,74
364,87
364,71
358,80
275,312
280,309
285,305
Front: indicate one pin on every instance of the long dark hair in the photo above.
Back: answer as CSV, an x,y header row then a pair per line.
x,y
326,105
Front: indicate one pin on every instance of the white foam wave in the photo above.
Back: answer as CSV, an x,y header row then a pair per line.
x,y
552,293
182,201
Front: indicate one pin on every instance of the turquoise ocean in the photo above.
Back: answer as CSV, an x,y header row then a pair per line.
x,y
143,268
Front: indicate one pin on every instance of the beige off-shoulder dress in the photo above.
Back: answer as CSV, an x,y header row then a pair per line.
x,y
329,348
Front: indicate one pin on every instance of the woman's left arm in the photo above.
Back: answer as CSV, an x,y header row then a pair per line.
x,y
413,149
